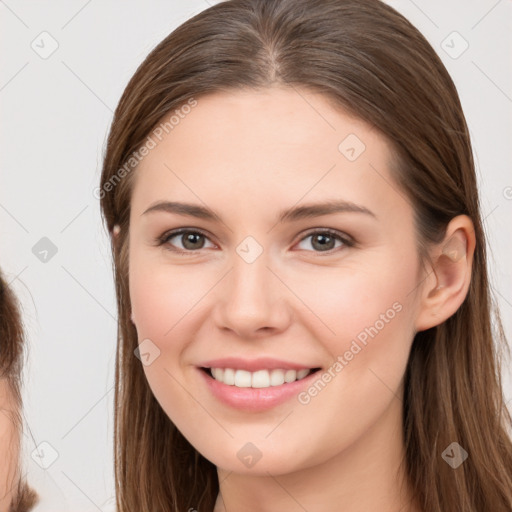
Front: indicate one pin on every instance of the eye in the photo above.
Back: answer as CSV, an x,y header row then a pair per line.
x,y
324,240
193,240
190,239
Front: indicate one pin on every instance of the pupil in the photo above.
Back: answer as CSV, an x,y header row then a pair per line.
x,y
190,239
323,243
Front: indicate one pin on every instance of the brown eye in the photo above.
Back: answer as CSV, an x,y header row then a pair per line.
x,y
189,239
325,241
192,240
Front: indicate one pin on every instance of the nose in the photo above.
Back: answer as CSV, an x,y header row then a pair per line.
x,y
252,301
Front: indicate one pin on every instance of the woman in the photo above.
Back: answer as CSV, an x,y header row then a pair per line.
x,y
15,495
264,369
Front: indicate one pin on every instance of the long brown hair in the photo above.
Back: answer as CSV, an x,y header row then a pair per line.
x,y
370,60
11,360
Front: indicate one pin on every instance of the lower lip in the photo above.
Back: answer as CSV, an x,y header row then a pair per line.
x,y
256,399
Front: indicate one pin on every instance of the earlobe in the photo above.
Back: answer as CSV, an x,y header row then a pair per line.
x,y
115,235
447,286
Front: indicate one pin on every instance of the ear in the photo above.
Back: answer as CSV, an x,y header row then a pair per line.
x,y
115,235
447,283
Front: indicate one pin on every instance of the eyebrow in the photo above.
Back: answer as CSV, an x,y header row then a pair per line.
x,y
290,215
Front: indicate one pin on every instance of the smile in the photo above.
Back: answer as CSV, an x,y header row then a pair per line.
x,y
256,391
257,379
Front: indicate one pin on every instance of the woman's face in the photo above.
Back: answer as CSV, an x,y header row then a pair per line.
x,y
256,283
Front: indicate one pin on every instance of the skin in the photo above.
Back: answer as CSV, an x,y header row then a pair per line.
x,y
248,155
9,442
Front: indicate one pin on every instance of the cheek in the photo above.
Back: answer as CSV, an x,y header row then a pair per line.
x,y
347,302
367,328
364,318
165,301
160,297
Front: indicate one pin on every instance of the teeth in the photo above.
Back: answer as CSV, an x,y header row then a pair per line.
x,y
258,379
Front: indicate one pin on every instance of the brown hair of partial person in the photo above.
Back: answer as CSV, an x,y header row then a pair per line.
x,y
25,498
372,62
11,356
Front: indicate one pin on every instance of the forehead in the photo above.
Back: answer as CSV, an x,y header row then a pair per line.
x,y
264,119
263,145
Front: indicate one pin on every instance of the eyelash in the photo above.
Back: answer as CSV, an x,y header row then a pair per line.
x,y
164,239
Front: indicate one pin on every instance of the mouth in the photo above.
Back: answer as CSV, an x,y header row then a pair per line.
x,y
259,379
258,391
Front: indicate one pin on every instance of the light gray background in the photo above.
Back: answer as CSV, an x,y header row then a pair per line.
x,y
56,112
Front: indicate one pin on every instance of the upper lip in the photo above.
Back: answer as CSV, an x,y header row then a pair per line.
x,y
252,365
